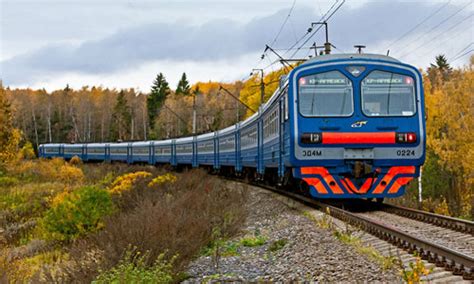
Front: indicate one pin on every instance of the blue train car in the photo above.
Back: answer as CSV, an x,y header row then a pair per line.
x,y
338,126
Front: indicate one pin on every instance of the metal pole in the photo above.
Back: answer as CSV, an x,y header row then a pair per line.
x,y
420,187
194,113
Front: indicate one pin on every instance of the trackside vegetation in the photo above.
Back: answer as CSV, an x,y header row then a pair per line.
x,y
108,223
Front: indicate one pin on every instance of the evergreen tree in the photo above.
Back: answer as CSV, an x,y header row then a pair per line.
x,y
157,97
121,118
183,87
442,66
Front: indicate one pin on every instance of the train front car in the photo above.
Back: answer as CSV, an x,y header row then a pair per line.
x,y
357,126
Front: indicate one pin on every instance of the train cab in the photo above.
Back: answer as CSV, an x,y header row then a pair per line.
x,y
357,125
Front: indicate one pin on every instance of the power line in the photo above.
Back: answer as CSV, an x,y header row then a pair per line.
x,y
310,29
322,20
453,36
419,24
284,23
463,49
436,26
437,36
462,55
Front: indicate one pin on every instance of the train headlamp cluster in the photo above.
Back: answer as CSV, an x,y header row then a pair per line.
x,y
312,138
405,137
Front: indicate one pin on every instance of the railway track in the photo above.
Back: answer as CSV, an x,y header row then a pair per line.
x,y
444,241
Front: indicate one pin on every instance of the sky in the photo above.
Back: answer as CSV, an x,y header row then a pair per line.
x,y
126,43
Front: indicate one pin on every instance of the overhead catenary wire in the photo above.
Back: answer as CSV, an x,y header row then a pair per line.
x,y
442,22
462,50
284,23
419,24
309,30
435,37
451,37
314,32
462,55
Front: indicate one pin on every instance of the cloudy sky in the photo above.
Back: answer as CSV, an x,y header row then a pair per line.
x,y
125,43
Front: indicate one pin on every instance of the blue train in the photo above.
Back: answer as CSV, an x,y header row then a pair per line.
x,y
338,126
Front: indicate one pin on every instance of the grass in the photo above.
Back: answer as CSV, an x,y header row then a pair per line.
x,y
325,222
253,241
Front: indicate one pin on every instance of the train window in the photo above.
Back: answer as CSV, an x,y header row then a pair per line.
x,y
388,94
325,94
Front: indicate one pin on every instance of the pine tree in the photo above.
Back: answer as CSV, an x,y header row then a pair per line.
x,y
121,118
183,87
159,91
442,66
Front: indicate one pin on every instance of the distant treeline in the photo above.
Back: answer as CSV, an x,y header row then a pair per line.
x,y
97,114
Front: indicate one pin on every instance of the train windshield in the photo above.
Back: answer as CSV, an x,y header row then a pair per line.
x,y
388,94
325,94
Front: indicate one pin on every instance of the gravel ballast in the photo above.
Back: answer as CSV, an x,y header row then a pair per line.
x,y
294,248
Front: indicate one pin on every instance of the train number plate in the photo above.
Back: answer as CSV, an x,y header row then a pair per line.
x,y
358,153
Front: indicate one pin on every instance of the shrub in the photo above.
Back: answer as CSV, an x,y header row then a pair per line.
x,y
178,219
162,179
70,174
77,213
27,152
133,269
125,182
75,160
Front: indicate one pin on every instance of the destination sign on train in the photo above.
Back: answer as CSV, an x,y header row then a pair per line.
x,y
322,81
387,81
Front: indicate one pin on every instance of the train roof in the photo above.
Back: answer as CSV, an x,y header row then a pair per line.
x,y
331,57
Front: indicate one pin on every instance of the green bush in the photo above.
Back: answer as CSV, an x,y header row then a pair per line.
x,y
77,213
253,241
133,269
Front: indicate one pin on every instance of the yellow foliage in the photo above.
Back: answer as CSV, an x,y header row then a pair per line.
x,y
250,93
126,181
415,271
442,208
9,151
27,152
162,179
70,174
450,132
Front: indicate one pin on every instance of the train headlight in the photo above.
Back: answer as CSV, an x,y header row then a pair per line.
x,y
311,138
406,137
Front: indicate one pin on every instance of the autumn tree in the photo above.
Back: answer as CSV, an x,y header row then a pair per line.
x,y
121,118
183,87
450,138
159,92
9,137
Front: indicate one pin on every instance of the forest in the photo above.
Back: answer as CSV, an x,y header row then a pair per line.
x,y
98,114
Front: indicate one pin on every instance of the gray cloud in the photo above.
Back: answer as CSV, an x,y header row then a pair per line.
x,y
217,39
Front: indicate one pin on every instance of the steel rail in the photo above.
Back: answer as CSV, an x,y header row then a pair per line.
x,y
463,226
455,261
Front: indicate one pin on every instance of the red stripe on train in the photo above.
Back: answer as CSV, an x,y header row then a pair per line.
x,y
358,138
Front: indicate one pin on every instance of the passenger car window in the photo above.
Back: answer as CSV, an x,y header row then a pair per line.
x,y
325,94
388,94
